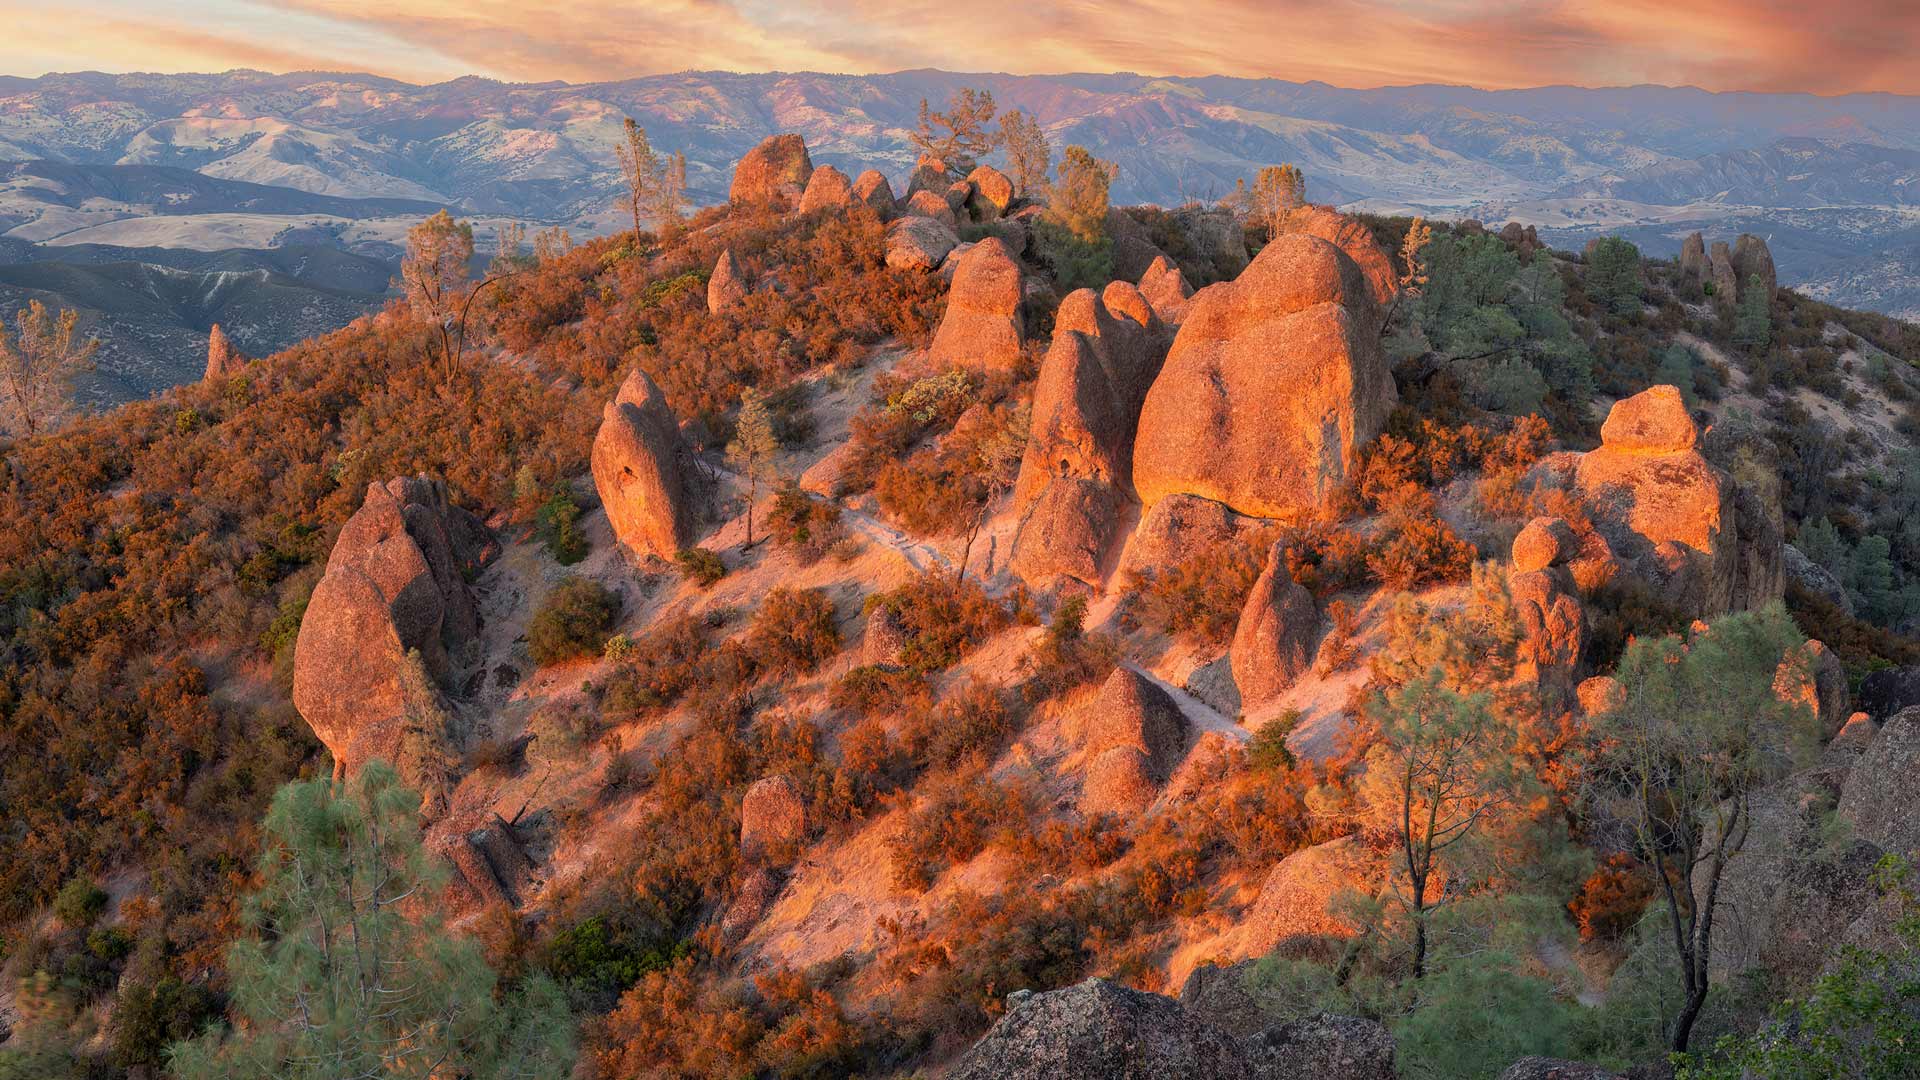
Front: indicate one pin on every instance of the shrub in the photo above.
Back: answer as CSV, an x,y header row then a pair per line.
x,y
574,621
661,668
871,689
809,527
1200,596
558,523
794,631
1612,899
1068,657
943,619
955,823
1267,748
79,902
1417,548
700,566
147,1019
973,722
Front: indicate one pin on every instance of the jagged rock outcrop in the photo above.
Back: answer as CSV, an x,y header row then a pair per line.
x,y
1134,735
394,584
1693,257
1551,619
222,358
827,188
728,285
774,172
871,188
992,193
1752,259
1660,504
1816,579
1720,274
1273,384
1876,799
915,242
773,818
982,327
1166,288
1742,450
1098,1030
1075,476
1811,676
642,471
1275,639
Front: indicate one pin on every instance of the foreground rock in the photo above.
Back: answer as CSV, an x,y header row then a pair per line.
x,y
919,243
981,328
642,471
1540,1068
1877,797
1134,736
1273,384
1274,641
394,584
774,173
1323,1046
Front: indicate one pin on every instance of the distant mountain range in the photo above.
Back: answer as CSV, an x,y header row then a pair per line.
x,y
257,162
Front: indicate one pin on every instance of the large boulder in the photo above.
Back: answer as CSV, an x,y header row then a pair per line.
x,y
930,174
1274,383
1098,1030
395,584
774,172
926,204
1356,240
1752,259
1173,528
1693,257
641,470
1877,799
1889,692
728,285
773,818
1134,734
1297,908
992,193
827,188
1816,579
982,326
222,358
1275,639
1223,997
1166,288
1543,1068
919,243
1659,502
871,188
1551,619
1133,248
1323,1046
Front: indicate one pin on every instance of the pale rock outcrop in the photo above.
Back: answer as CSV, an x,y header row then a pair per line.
x,y
919,243
1811,676
728,285
1274,383
1552,622
394,584
1098,1030
1134,735
992,193
827,188
775,172
641,470
1693,257
1721,275
1166,288
982,327
222,358
1275,639
871,188
1660,503
773,818
1752,259
926,204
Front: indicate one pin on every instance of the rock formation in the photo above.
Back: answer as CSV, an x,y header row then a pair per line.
x,y
1295,908
773,818
982,327
1133,249
222,358
1274,383
1356,240
926,204
1876,799
929,174
1720,274
394,584
826,188
871,188
1172,528
1811,676
1752,259
1693,257
1166,288
919,243
885,638
641,469
728,285
1554,625
1279,629
1134,735
1099,1030
1743,452
1076,474
1816,579
1542,1068
1659,503
992,193
775,172
1323,1046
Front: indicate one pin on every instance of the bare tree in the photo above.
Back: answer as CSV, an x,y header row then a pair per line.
x,y
438,283
37,366
1029,157
753,447
656,183
1278,191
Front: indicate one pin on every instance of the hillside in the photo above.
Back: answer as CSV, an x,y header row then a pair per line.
x,y
842,634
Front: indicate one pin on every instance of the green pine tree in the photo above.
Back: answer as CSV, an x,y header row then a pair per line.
x,y
1613,275
348,971
753,447
1753,316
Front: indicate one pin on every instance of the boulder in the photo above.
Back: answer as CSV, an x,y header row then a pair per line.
x,y
982,327
919,243
1599,695
642,471
928,205
1852,740
1166,289
1273,384
490,867
1659,502
1542,1068
1173,528
1067,531
827,188
395,583
1323,1046
1721,275
1296,906
728,285
757,894
1275,639
1693,258
774,172
1098,1030
871,188
1356,240
773,818
1124,299
958,195
1552,622
885,639
1877,798
1816,579
1889,691
1813,677
992,193
931,175
1752,259
1134,734
1221,996
1133,249
222,358
1544,542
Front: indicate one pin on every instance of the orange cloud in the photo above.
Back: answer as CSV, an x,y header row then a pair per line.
x,y
1844,45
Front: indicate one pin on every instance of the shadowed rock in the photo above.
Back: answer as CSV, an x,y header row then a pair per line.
x,y
1812,677
1877,797
926,204
1166,288
728,285
1693,257
640,468
1720,272
1551,618
1099,1030
871,188
1752,259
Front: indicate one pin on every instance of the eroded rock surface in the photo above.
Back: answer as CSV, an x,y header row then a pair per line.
x,y
775,172
643,471
1134,737
981,328
1275,639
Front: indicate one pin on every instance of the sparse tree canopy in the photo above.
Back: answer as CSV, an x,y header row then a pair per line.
x,y
440,289
1613,275
656,183
753,447
959,136
37,366
349,972
1753,316
1029,157
1278,191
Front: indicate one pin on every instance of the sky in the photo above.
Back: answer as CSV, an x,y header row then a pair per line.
x,y
1838,46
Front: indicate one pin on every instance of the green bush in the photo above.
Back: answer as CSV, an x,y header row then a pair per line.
x,y
700,566
79,903
1267,748
146,1019
559,526
573,622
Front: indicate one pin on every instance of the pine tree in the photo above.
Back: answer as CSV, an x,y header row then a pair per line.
x,y
638,165
347,971
753,447
1029,157
1753,316
960,135
1080,199
439,289
1613,275
1676,370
